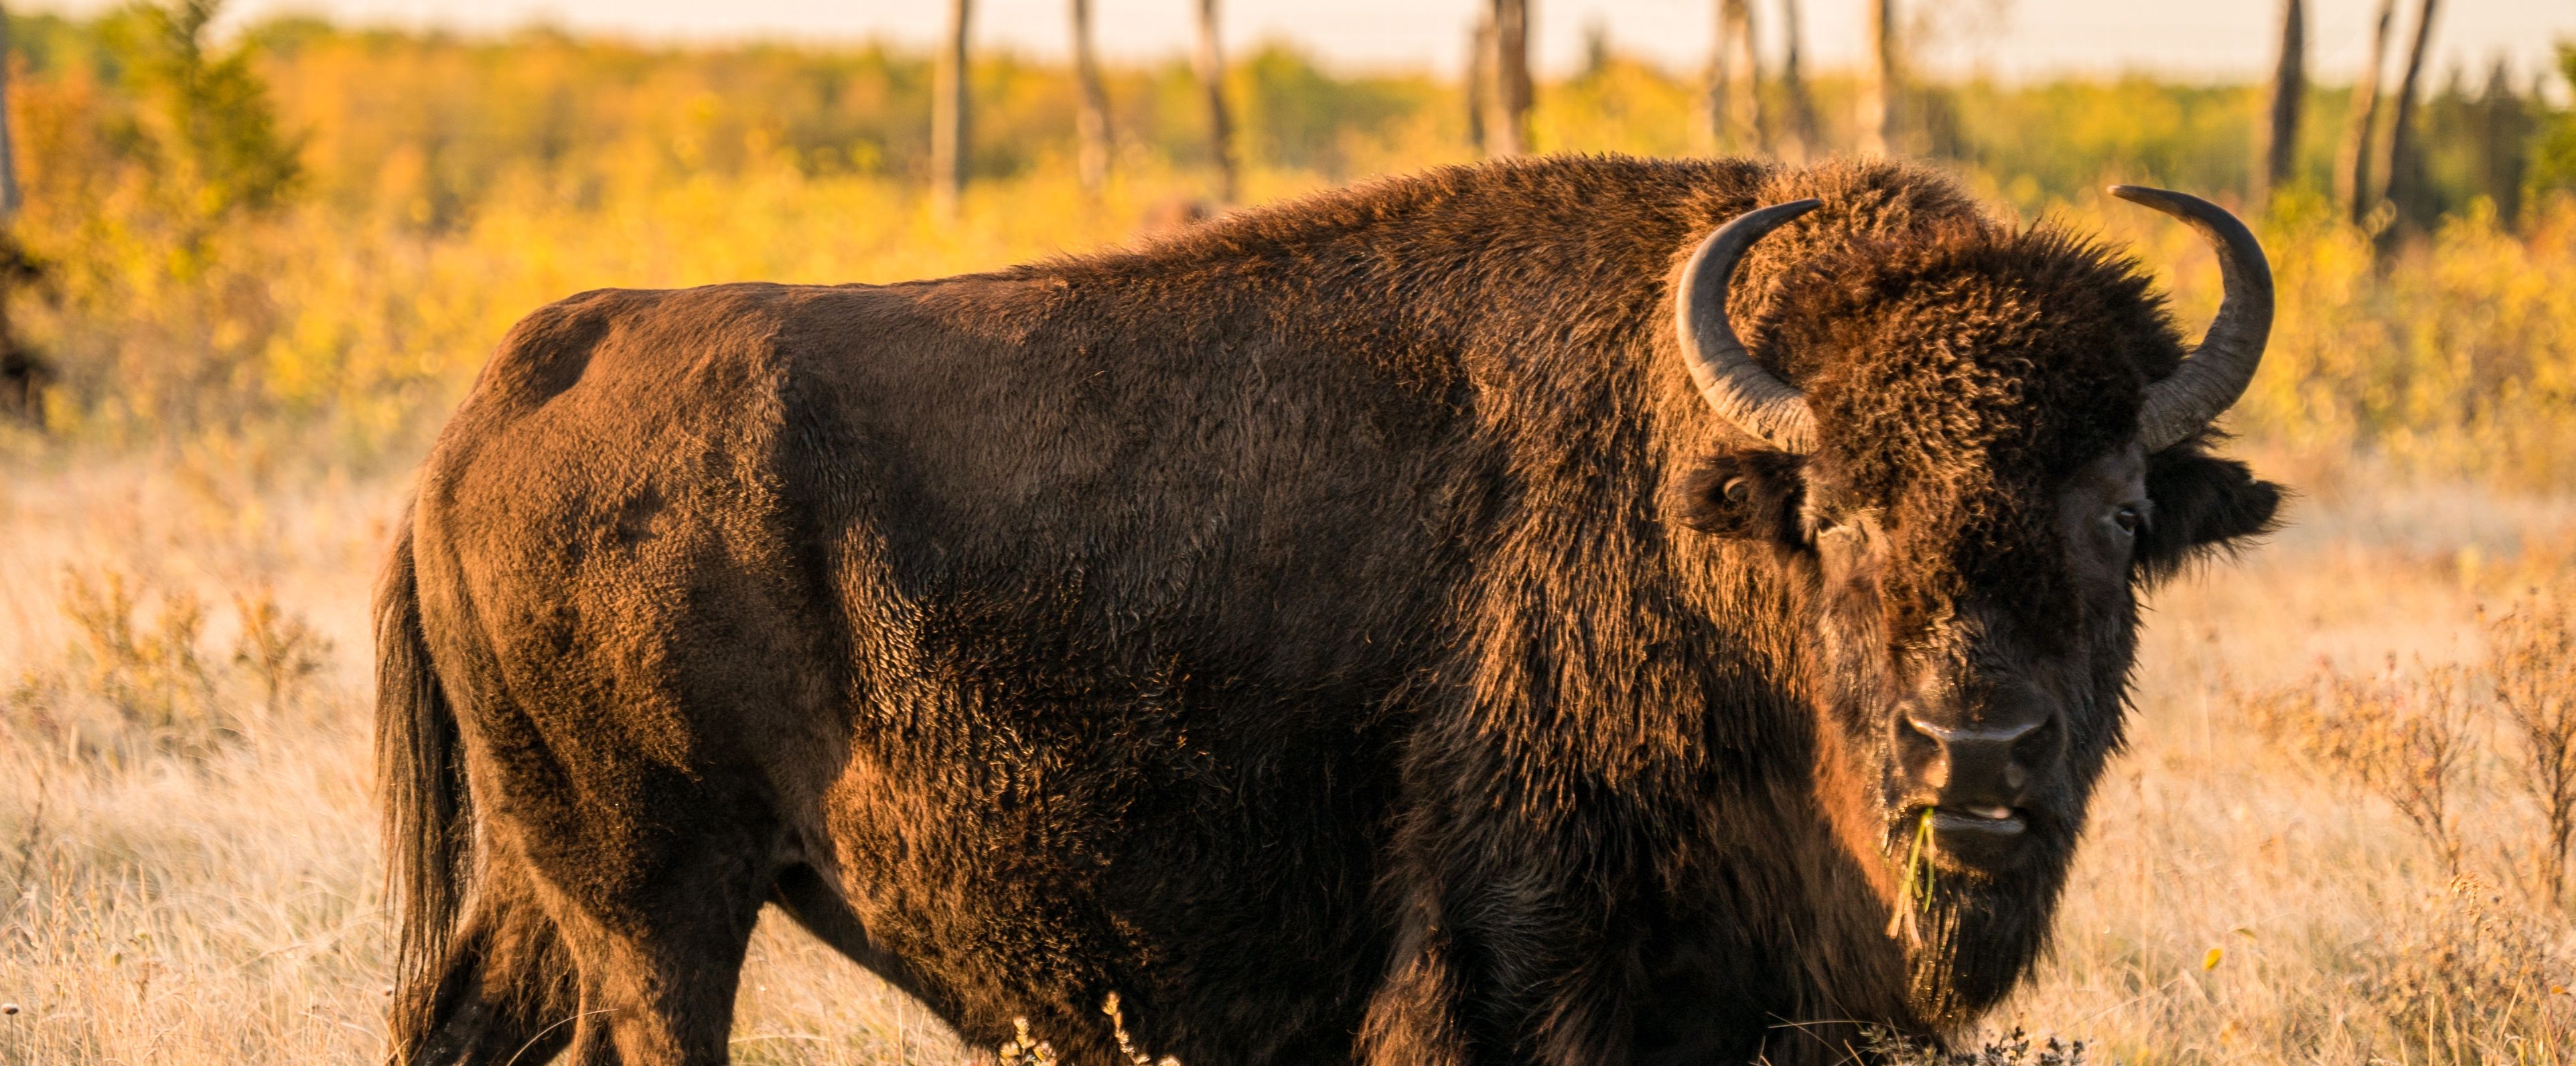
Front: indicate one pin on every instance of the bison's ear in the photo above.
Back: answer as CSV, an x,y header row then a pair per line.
x,y
2202,503
1748,495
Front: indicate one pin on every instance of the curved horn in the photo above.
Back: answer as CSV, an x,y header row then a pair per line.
x,y
2216,373
1741,391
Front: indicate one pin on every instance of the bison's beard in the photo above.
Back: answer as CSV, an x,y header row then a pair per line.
x,y
1973,937
1976,932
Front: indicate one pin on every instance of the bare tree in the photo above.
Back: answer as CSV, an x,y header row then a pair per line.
x,y
8,142
2405,165
1508,102
1735,82
1713,117
24,372
2289,87
1210,61
1798,139
1480,79
948,114
2352,164
1091,123
1879,82
2505,124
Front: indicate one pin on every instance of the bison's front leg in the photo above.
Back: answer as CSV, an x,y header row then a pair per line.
x,y
1517,927
1546,915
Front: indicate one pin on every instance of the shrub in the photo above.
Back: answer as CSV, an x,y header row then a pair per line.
x,y
135,679
2402,736
2534,650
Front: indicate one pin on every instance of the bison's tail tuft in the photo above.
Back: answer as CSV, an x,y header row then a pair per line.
x,y
420,769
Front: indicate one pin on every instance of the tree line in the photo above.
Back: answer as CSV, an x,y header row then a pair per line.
x,y
1754,106
222,254
949,124
2379,178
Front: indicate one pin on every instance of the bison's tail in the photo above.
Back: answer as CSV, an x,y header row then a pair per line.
x,y
420,769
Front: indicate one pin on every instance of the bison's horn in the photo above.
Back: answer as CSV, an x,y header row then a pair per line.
x,y
1740,389
2217,372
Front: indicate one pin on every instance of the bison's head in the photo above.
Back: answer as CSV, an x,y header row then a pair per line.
x,y
1997,440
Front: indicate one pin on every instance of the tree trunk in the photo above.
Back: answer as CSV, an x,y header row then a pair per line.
x,y
1210,61
1480,80
1878,87
1798,139
1720,50
8,141
2504,143
2352,170
2289,87
24,372
1091,123
2405,167
1735,84
1507,115
948,115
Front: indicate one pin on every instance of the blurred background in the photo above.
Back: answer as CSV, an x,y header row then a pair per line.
x,y
297,230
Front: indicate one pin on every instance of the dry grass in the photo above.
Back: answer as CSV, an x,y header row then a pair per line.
x,y
187,863
2245,897
189,868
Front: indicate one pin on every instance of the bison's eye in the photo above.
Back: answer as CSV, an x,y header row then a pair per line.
x,y
2127,519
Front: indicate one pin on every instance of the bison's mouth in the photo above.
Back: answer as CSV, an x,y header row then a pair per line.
x,y
1991,821
1976,837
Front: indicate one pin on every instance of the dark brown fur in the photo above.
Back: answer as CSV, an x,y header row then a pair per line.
x,y
1296,627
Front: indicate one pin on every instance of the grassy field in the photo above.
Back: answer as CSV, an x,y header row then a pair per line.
x,y
190,870
253,351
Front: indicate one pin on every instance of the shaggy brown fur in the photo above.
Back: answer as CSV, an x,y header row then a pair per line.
x,y
1297,627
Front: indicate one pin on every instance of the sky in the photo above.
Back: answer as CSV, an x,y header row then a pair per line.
x,y
2011,38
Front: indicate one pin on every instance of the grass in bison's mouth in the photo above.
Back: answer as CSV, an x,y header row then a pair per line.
x,y
1914,882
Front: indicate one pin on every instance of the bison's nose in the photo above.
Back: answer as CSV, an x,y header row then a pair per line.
x,y
1976,772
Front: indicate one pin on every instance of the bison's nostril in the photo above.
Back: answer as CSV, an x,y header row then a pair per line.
x,y
1950,736
1920,754
1975,767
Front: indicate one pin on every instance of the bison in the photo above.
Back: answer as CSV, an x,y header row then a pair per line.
x,y
1517,613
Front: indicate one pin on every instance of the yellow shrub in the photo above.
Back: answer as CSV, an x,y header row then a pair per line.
x,y
453,186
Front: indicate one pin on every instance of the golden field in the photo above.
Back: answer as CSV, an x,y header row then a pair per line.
x,y
251,359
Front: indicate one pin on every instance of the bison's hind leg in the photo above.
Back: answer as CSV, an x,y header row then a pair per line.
x,y
657,915
507,990
534,970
